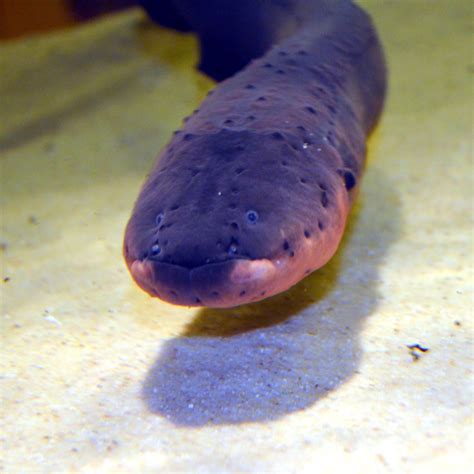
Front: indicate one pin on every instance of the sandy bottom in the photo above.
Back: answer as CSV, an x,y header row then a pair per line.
x,y
98,377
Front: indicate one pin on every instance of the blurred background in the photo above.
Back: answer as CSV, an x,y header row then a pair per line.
x,y
23,17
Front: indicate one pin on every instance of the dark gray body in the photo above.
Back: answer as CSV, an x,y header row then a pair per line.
x,y
283,141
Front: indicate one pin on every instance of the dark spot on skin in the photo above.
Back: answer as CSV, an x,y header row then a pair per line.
x,y
268,65
262,99
301,128
295,147
234,226
242,293
175,207
252,217
302,52
233,247
232,206
302,181
284,163
324,199
240,148
349,180
251,117
239,170
263,293
197,300
286,245
215,294
322,186
173,293
311,110
159,219
320,225
307,272
228,122
277,136
307,234
332,109
280,71
250,86
234,190
282,53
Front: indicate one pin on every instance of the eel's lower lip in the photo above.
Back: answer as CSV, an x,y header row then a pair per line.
x,y
218,285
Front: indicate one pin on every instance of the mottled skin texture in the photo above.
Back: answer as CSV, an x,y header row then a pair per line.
x,y
254,192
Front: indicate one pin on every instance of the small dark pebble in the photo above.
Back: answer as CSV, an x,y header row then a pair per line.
x,y
33,220
6,279
415,350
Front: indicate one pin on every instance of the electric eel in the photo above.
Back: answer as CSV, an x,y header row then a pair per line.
x,y
253,193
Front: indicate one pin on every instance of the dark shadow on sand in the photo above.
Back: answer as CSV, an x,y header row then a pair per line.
x,y
262,361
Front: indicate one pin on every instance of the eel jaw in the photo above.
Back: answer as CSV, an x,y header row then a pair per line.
x,y
216,285
232,282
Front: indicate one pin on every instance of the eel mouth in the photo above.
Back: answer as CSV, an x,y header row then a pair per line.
x,y
231,282
215,285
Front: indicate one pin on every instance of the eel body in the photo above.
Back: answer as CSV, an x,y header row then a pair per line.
x,y
253,193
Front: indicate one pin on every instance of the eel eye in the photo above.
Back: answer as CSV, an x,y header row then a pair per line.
x,y
155,250
252,217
